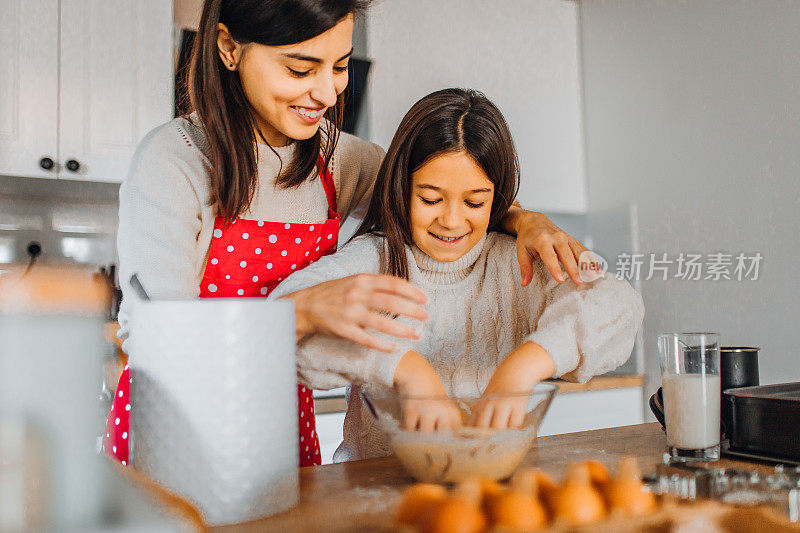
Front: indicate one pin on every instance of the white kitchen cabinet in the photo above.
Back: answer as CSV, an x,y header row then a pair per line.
x,y
523,54
28,86
103,78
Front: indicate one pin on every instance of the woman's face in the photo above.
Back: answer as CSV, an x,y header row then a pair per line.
x,y
451,202
290,87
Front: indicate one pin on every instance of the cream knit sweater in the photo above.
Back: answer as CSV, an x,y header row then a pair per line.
x,y
166,222
479,313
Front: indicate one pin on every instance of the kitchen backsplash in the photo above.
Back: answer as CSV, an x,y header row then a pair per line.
x,y
72,221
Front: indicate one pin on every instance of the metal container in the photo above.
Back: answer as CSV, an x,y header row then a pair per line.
x,y
738,368
766,421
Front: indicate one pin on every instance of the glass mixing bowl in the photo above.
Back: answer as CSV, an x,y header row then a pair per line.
x,y
452,455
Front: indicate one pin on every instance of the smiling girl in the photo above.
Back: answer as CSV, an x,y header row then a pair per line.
x,y
447,181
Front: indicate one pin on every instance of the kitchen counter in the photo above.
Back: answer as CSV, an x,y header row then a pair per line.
x,y
327,403
361,495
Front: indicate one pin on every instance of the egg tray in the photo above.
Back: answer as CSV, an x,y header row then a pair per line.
x,y
676,514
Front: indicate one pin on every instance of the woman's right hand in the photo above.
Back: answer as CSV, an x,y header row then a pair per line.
x,y
351,306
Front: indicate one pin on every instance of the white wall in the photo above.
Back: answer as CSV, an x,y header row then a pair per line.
x,y
692,110
522,53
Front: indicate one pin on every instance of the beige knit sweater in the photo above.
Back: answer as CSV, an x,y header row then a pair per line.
x,y
166,222
479,313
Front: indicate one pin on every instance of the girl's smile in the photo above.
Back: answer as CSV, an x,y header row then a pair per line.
x,y
451,205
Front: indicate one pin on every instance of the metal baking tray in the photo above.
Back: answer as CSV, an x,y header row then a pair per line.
x,y
766,420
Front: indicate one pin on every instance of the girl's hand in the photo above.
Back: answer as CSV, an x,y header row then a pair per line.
x,y
515,378
537,236
425,404
351,306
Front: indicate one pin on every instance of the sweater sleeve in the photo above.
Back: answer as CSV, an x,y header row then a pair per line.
x,y
159,224
325,362
356,169
588,329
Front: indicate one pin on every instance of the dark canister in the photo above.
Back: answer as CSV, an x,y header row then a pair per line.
x,y
738,367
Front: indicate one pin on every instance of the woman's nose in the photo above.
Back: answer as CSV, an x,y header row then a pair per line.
x,y
324,90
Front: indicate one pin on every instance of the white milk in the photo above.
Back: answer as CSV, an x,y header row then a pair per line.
x,y
691,405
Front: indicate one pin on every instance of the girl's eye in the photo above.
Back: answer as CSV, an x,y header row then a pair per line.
x,y
474,206
429,202
298,73
340,69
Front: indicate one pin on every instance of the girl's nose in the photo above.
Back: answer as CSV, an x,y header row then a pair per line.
x,y
324,90
451,215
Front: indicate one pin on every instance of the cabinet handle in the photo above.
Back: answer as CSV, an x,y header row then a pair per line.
x,y
73,165
46,163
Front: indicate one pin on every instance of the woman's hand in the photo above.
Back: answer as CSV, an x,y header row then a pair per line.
x,y
351,306
425,404
512,383
537,236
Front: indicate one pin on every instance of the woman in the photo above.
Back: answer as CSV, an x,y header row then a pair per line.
x,y
263,151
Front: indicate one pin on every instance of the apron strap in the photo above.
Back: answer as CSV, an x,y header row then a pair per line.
x,y
330,188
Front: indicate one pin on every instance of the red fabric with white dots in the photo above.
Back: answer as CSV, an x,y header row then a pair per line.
x,y
249,258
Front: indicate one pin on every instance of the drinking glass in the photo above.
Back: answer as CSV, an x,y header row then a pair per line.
x,y
691,385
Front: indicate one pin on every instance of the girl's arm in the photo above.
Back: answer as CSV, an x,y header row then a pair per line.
x,y
588,329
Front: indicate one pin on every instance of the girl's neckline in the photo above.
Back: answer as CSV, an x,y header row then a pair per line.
x,y
450,272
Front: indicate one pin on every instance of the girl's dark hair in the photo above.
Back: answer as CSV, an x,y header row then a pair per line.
x,y
450,120
226,115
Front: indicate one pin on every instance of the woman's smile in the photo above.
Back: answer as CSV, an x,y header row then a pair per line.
x,y
309,115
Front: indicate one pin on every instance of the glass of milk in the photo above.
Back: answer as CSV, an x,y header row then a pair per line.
x,y
691,387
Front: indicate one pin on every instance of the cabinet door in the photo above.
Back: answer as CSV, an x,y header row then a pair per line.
x,y
116,82
28,87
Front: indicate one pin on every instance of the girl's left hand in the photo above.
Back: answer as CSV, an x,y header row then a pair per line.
x,y
538,237
504,402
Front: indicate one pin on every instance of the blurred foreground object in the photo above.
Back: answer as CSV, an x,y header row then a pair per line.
x,y
52,477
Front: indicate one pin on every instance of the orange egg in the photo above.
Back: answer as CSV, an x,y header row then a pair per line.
x,y
492,490
577,502
455,515
598,473
515,511
418,501
627,493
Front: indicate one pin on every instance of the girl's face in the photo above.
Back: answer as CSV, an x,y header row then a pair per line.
x,y
451,202
290,87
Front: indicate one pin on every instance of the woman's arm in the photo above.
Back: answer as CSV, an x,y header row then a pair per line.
x,y
341,295
538,237
159,223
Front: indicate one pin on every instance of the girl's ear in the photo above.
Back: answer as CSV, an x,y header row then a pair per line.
x,y
230,52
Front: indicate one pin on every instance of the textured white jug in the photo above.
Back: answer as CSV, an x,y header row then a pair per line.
x,y
214,403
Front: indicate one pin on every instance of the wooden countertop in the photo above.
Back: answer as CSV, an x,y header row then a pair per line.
x,y
361,495
337,404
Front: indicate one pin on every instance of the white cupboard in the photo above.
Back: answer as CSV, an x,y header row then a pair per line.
x,y
84,81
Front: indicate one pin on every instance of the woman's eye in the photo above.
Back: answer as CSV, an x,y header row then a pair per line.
x,y
429,202
298,73
474,206
340,69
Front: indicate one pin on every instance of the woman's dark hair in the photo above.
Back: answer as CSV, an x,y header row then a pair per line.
x,y
226,115
450,120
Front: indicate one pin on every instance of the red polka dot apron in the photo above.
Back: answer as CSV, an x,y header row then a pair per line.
x,y
249,258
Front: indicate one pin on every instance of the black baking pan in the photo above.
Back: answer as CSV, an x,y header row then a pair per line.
x,y
766,420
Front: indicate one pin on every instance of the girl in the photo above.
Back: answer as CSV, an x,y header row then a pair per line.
x,y
253,184
448,179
